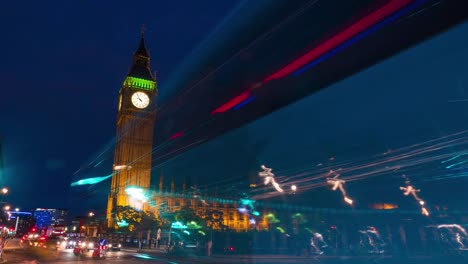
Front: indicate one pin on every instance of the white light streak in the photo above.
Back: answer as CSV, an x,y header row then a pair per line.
x,y
269,177
339,184
410,190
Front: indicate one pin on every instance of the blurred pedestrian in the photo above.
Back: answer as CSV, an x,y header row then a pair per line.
x,y
139,245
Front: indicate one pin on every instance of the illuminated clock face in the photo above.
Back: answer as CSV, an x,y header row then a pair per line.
x,y
120,102
140,100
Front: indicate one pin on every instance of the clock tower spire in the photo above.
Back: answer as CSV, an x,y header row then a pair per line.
x,y
135,124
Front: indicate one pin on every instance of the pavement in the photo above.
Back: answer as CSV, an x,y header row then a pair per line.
x,y
13,244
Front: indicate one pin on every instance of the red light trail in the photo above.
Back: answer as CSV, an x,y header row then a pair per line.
x,y
233,102
341,37
358,27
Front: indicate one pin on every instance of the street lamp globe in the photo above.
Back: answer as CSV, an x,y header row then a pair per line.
x,y
4,190
7,207
293,188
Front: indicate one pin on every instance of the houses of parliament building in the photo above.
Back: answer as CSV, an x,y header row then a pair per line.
x,y
136,118
179,197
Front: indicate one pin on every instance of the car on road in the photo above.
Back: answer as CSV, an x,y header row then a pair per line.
x,y
52,242
88,244
115,245
67,243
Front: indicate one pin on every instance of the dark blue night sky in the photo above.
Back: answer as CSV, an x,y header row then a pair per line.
x,y
62,66
415,96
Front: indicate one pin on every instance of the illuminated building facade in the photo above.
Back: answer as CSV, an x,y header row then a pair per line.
x,y
204,205
135,122
47,217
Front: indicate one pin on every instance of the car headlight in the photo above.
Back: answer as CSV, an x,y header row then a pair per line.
x,y
120,245
58,243
110,245
64,243
91,245
83,244
70,242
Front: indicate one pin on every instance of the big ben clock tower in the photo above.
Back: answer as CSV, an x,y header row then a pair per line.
x,y
135,122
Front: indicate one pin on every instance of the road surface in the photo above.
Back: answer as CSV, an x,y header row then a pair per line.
x,y
39,255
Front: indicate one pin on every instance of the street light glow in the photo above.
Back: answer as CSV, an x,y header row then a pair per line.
x,y
293,188
7,207
17,209
136,193
4,190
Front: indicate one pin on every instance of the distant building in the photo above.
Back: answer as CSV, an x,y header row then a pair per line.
x,y
204,204
47,217
23,221
61,216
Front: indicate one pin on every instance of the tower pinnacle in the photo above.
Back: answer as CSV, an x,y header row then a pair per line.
x,y
141,62
141,51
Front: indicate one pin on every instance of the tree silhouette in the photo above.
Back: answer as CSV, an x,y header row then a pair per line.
x,y
137,220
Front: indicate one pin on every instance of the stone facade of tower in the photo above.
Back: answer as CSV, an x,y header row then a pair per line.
x,y
134,141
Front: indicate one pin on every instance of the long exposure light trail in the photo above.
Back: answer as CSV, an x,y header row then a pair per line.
x,y
269,177
364,23
326,49
93,180
338,184
339,38
428,153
